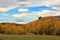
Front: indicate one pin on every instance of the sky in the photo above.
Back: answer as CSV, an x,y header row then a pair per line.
x,y
25,11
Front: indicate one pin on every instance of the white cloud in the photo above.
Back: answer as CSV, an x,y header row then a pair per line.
x,y
31,16
3,9
8,3
23,10
21,22
57,14
19,15
57,7
45,13
6,9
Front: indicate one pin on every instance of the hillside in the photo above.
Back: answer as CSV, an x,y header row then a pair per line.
x,y
45,26
47,20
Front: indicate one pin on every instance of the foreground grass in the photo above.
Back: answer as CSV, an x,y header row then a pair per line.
x,y
28,37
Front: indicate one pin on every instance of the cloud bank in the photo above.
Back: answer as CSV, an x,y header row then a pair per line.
x,y
9,4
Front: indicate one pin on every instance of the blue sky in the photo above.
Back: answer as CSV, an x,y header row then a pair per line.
x,y
25,11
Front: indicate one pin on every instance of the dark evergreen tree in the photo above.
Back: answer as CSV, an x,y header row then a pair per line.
x,y
39,17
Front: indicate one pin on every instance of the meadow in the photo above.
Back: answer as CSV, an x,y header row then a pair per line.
x,y
29,37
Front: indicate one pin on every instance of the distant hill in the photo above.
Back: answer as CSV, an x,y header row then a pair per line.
x,y
10,24
57,16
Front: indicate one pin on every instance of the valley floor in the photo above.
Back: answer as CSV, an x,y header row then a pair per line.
x,y
28,37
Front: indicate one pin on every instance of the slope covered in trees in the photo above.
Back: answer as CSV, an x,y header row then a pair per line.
x,y
42,26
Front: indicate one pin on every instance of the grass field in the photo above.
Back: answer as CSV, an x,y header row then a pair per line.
x,y
28,37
